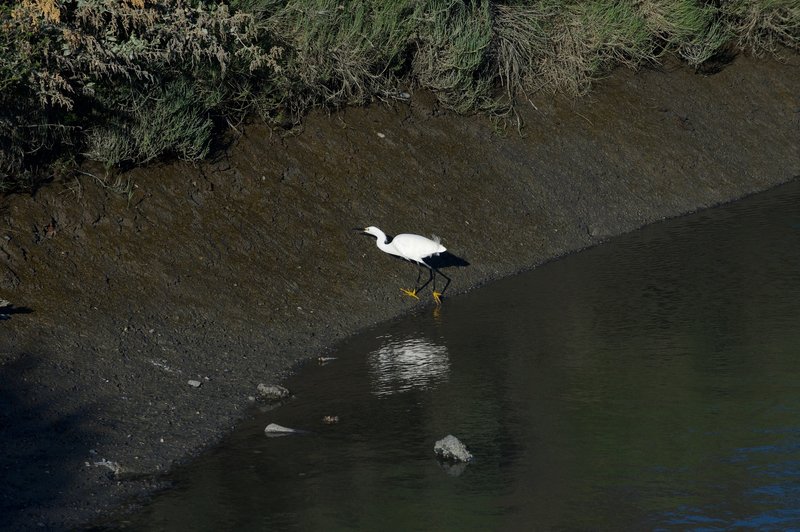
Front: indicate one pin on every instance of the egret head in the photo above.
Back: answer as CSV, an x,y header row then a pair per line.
x,y
377,233
371,230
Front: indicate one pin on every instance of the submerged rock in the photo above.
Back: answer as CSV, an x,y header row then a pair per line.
x,y
450,448
114,467
272,392
454,469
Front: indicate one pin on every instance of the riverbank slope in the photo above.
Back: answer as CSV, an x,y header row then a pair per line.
x,y
232,271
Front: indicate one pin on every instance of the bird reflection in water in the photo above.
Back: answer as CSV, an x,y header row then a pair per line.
x,y
405,364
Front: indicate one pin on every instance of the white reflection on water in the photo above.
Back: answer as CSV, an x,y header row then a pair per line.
x,y
401,365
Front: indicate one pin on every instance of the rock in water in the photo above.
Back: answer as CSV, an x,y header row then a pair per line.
x,y
273,429
272,392
450,448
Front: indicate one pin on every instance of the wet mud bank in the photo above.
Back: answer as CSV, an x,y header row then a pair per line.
x,y
230,273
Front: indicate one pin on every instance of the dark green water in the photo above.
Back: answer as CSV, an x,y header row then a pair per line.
x,y
649,383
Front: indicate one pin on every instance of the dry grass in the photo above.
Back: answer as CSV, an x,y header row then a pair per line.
x,y
127,81
522,46
762,26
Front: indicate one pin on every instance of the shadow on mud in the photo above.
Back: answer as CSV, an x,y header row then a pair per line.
x,y
7,310
42,451
446,260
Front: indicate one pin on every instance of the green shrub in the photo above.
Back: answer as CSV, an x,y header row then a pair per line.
x,y
89,74
452,53
610,33
128,81
334,53
692,29
173,120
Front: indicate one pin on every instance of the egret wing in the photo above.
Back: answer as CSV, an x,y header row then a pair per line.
x,y
416,247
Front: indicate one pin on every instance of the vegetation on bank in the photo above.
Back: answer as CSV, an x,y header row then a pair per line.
x,y
124,82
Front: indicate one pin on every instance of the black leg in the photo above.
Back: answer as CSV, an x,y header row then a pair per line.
x,y
445,284
430,278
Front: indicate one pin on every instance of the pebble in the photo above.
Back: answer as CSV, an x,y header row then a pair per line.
x,y
114,467
280,430
195,384
272,392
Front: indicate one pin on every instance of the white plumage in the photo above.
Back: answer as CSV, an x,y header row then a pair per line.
x,y
408,246
415,248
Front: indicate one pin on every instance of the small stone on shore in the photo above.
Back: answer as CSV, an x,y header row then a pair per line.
x,y
273,429
114,467
195,384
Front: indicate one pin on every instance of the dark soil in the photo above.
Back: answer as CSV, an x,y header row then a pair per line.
x,y
232,272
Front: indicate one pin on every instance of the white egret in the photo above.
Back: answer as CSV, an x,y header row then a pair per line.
x,y
414,248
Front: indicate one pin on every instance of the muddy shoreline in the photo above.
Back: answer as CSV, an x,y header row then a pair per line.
x,y
232,272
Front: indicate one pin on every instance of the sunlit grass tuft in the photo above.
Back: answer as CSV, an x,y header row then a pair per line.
x,y
762,26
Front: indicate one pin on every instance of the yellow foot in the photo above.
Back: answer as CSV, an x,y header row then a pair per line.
x,y
410,293
437,297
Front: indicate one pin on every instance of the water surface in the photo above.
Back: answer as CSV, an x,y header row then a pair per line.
x,y
652,382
